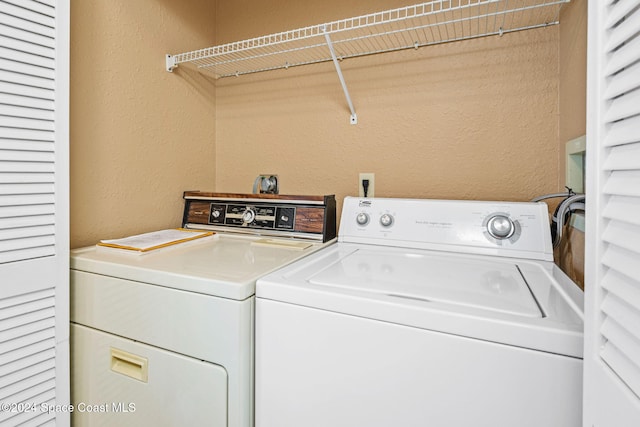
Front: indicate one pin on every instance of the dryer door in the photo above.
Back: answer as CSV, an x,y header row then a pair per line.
x,y
116,382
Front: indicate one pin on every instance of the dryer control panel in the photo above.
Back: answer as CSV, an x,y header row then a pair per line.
x,y
512,229
310,217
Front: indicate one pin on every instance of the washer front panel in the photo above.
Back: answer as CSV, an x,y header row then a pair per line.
x,y
549,319
320,368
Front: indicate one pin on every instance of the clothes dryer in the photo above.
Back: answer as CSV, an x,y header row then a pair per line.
x,y
166,338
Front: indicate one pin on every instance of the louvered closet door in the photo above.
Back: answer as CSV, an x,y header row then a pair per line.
x,y
34,40
612,324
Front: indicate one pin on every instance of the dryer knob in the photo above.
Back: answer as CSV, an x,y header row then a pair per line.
x,y
248,216
362,218
386,220
500,227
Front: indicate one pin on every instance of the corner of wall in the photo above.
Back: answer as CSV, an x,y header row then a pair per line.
x,y
573,78
572,120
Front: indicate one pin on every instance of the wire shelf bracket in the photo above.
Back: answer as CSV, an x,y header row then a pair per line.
x,y
354,118
410,27
170,63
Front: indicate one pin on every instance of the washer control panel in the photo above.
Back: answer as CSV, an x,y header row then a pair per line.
x,y
362,218
500,226
515,229
386,220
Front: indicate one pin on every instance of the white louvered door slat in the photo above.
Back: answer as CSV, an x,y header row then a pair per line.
x,y
10,144
624,56
30,91
27,134
10,100
622,132
624,157
9,212
35,6
40,39
623,8
34,244
26,47
23,123
26,11
50,3
31,359
627,288
626,28
16,77
23,20
21,68
25,221
623,107
626,236
22,112
624,209
30,199
35,159
26,188
624,82
623,183
624,358
621,260
612,265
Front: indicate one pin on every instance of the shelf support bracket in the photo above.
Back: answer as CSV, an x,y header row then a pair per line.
x,y
170,63
354,117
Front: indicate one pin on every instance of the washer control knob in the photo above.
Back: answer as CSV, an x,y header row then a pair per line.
x,y
248,216
500,227
215,214
362,218
386,220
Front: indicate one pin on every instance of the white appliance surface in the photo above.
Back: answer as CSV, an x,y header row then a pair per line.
x,y
188,310
119,398
423,318
223,265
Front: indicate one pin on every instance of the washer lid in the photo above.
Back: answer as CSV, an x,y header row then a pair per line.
x,y
493,286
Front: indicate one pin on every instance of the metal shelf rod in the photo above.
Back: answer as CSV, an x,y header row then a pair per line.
x,y
354,117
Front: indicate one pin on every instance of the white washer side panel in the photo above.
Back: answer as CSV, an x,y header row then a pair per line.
x,y
317,368
103,397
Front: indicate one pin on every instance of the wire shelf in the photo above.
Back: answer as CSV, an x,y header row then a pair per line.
x,y
434,22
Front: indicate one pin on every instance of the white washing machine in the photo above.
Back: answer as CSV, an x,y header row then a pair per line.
x,y
425,313
166,338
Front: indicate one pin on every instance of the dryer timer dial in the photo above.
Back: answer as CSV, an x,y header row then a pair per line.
x,y
248,216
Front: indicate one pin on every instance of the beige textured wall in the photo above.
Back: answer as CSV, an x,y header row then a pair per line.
x,y
139,135
573,76
475,119
573,109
